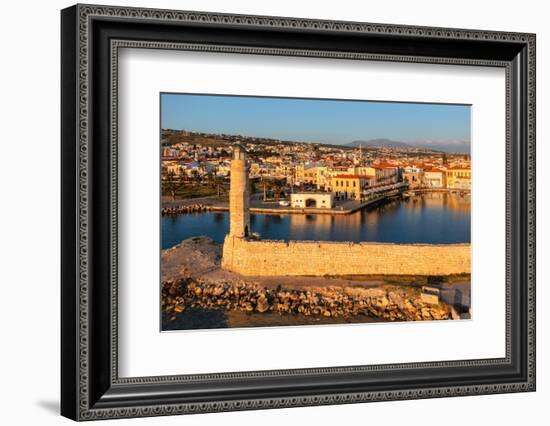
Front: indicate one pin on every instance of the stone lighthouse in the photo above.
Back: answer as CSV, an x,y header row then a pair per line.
x,y
239,196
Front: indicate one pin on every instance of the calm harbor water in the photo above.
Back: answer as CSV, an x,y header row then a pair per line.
x,y
433,218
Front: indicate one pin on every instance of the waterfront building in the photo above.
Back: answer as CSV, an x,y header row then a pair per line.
x,y
458,178
362,171
383,174
414,176
348,186
386,173
318,200
435,178
337,170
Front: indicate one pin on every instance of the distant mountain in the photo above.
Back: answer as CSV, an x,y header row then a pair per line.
x,y
458,146
380,143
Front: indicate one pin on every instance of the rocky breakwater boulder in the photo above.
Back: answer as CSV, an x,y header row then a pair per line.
x,y
173,295
189,208
392,303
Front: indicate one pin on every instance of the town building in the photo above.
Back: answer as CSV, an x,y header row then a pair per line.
x,y
414,176
310,175
319,200
435,178
299,172
286,171
255,169
386,173
458,178
348,186
382,174
172,167
322,177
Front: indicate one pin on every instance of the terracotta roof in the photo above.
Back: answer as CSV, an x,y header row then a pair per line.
x,y
384,165
351,176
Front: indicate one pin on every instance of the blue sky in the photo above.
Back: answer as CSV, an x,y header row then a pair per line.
x,y
317,120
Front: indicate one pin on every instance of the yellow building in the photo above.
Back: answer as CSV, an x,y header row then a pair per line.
x,y
255,169
287,171
322,177
310,175
300,169
314,175
348,186
458,178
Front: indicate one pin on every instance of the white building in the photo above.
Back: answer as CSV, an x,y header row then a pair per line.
x,y
319,200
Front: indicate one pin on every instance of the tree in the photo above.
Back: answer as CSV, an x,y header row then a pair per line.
x,y
195,175
170,184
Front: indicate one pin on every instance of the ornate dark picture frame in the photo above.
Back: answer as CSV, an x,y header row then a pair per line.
x,y
91,37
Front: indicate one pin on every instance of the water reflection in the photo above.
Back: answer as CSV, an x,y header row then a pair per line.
x,y
428,218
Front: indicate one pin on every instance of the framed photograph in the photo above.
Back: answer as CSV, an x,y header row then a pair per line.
x,y
263,212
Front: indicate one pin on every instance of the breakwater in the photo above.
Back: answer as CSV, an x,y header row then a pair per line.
x,y
184,209
388,302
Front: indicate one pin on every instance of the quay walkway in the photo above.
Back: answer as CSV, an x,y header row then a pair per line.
x,y
372,196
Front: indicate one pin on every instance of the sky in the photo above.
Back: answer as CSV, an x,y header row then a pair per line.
x,y
317,120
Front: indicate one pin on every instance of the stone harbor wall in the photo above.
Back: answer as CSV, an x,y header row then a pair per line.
x,y
320,258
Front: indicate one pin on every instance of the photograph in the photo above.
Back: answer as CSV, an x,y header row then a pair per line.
x,y
272,208
279,211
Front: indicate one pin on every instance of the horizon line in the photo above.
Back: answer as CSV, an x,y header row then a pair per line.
x,y
411,143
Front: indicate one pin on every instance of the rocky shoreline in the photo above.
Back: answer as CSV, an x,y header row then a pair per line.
x,y
387,302
193,281
189,208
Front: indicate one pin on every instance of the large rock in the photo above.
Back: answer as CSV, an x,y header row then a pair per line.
x,y
383,302
262,305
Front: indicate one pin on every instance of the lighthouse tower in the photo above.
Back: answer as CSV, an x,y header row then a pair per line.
x,y
239,196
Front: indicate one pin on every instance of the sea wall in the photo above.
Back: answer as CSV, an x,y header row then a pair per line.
x,y
388,302
319,258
